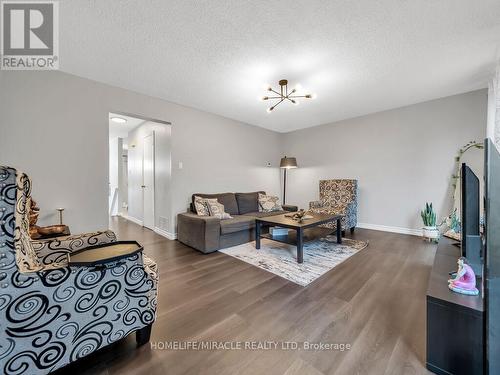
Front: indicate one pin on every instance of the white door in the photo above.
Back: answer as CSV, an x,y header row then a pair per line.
x,y
148,186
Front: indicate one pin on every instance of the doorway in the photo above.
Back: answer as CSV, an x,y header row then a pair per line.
x,y
140,171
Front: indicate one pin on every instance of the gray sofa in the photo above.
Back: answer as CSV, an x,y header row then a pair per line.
x,y
208,234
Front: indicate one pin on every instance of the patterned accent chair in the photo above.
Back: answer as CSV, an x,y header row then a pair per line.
x,y
51,313
338,197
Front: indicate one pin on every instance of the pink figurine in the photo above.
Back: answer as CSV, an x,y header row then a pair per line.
x,y
465,280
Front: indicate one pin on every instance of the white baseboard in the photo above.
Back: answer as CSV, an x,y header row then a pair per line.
x,y
164,233
161,232
385,228
132,219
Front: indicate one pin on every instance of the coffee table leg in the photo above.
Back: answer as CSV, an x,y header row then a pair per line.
x,y
339,232
257,235
300,245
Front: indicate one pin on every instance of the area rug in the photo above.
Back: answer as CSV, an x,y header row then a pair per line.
x,y
320,256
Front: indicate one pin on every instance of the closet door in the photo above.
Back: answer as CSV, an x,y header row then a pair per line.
x,y
148,187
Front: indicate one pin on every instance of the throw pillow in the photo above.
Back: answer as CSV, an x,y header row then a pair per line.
x,y
200,204
216,209
269,203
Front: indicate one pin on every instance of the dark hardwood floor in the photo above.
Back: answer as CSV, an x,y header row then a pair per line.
x,y
374,301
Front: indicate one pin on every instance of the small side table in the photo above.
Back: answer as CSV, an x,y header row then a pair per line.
x,y
66,232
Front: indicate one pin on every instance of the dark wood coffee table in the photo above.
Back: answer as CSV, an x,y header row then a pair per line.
x,y
300,229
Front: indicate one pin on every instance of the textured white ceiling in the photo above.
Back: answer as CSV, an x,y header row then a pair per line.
x,y
359,56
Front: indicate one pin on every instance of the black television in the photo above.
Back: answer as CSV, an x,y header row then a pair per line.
x,y
492,258
470,217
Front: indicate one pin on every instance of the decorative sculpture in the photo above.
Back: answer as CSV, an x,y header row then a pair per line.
x,y
60,215
300,215
37,232
465,279
34,212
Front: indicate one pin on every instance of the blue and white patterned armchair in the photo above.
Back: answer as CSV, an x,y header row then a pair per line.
x,y
338,197
52,314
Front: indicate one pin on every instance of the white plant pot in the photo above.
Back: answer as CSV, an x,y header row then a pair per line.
x,y
431,233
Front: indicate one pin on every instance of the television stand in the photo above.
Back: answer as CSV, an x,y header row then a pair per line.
x,y
454,321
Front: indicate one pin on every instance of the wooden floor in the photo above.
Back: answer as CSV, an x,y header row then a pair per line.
x,y
374,301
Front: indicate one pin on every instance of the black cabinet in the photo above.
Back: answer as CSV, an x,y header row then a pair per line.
x,y
454,321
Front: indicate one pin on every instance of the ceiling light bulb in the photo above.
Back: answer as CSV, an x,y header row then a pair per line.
x,y
296,102
270,109
264,98
118,120
314,96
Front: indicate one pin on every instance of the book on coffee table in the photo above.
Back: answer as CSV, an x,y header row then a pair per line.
x,y
278,231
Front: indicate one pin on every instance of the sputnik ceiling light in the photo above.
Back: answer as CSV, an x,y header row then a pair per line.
x,y
284,95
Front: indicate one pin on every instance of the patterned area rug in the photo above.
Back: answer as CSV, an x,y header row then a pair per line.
x,y
320,256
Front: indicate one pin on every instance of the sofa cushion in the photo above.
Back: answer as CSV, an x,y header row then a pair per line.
x,y
248,202
269,203
266,214
216,209
227,199
201,205
237,224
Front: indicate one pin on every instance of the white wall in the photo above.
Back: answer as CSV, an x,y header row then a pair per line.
x,y
402,157
490,126
115,151
493,123
54,126
123,181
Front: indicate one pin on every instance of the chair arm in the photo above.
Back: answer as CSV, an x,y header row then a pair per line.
x,y
129,284
315,204
348,210
290,208
352,214
56,250
200,232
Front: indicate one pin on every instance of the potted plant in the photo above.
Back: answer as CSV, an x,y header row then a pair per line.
x,y
430,230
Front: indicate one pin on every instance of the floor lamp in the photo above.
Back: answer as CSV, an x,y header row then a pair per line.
x,y
287,163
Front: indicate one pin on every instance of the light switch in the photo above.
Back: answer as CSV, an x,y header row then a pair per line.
x,y
180,165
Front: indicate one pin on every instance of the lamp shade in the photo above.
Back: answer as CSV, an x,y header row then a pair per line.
x,y
288,163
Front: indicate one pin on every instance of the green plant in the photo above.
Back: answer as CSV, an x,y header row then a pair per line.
x,y
428,215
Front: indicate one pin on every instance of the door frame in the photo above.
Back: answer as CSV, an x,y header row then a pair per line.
x,y
169,214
